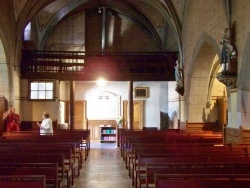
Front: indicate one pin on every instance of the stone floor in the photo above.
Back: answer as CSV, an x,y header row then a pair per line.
x,y
104,168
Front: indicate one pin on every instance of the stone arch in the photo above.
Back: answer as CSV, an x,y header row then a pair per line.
x,y
202,81
4,73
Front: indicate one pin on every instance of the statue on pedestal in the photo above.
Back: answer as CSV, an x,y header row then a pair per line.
x,y
179,79
228,75
228,52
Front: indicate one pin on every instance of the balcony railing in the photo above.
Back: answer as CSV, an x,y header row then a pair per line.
x,y
61,63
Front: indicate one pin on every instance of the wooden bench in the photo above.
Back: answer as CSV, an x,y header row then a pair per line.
x,y
141,152
157,135
23,181
140,169
40,158
166,143
201,181
168,148
50,170
83,134
194,168
72,167
67,152
200,127
50,143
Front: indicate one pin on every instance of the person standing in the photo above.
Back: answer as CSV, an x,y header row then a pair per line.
x,y
46,127
12,120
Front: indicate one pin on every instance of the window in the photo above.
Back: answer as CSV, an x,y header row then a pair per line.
x,y
42,90
142,92
27,32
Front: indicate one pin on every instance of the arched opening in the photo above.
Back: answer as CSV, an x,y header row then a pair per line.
x,y
173,124
4,84
205,89
27,32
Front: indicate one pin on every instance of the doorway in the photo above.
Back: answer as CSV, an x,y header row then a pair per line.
x,y
138,107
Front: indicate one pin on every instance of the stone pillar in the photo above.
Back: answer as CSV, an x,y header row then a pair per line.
x,y
130,106
72,106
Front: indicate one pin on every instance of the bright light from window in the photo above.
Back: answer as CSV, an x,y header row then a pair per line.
x,y
27,32
41,90
101,82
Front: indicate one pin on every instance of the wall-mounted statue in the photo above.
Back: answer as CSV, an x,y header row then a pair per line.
x,y
179,79
228,75
229,52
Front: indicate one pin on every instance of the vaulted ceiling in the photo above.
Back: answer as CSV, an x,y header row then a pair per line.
x,y
162,18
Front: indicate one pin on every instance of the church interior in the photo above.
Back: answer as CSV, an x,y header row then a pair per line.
x,y
136,93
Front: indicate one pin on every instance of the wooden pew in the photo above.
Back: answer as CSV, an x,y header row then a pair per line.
x,y
145,159
77,139
23,181
200,127
166,147
194,168
122,133
72,167
48,141
67,152
168,144
163,135
41,158
140,153
50,170
47,138
202,181
82,134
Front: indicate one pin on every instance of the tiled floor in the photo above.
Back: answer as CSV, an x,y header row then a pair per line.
x,y
104,168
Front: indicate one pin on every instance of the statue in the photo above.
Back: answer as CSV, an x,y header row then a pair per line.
x,y
179,79
178,75
228,51
228,75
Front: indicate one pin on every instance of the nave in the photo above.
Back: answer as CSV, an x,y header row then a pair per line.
x,y
104,168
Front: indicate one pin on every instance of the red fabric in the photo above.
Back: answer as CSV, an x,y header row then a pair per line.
x,y
12,124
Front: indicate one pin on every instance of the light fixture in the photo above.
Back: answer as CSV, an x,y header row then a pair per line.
x,y
99,10
101,82
99,7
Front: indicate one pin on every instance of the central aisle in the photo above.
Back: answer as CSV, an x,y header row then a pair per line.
x,y
104,168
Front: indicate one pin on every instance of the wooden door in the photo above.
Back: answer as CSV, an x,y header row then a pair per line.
x,y
222,112
138,107
80,114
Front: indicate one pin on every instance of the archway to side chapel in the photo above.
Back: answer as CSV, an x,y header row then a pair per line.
x,y
4,85
205,90
4,75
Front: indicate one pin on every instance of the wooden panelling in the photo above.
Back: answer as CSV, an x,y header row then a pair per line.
x,y
237,135
194,127
232,135
95,130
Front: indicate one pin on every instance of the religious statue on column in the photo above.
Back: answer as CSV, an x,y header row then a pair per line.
x,y
228,52
228,59
179,79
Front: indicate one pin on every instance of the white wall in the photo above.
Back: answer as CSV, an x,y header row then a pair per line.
x,y
152,104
